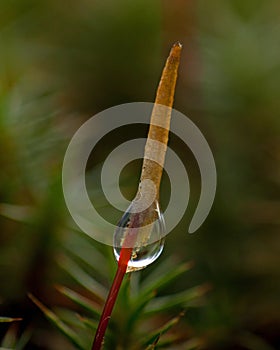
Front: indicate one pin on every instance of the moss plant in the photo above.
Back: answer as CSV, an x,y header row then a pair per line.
x,y
141,317
11,340
137,305
151,171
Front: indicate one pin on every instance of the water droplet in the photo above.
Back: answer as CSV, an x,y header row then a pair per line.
x,y
144,231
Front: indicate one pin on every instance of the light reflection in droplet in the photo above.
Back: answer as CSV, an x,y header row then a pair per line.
x,y
149,236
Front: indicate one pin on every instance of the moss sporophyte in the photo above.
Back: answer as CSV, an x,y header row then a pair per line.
x,y
138,239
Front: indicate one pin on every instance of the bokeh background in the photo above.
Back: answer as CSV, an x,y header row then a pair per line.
x,y
63,61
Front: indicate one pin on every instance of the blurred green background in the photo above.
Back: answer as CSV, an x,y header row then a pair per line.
x,y
63,61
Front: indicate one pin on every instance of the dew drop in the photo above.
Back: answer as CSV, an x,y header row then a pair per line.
x,y
146,231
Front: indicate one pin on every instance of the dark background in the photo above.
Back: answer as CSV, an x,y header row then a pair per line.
x,y
63,61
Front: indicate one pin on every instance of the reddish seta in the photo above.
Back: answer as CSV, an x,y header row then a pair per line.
x,y
111,299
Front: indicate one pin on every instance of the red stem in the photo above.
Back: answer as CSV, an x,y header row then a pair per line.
x,y
124,258
111,299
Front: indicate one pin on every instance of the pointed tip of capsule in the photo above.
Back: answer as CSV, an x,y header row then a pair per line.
x,y
176,50
177,44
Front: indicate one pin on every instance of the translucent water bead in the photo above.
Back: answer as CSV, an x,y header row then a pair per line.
x,y
145,231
